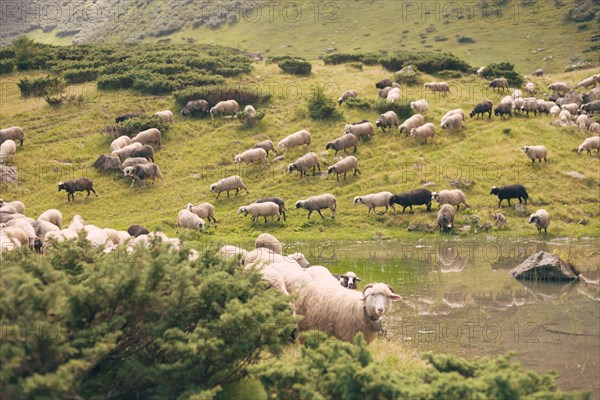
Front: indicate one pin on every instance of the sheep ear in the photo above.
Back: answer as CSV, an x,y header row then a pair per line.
x,y
358,279
394,296
367,289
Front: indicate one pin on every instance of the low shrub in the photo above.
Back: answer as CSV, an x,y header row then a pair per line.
x,y
295,66
215,94
133,126
320,106
401,108
41,86
361,103
429,62
7,66
506,70
80,75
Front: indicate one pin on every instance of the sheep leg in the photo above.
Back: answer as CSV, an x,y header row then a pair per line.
x,y
246,190
545,162
218,194
284,218
357,170
337,176
88,192
309,212
319,211
355,148
457,206
369,213
265,217
96,194
428,207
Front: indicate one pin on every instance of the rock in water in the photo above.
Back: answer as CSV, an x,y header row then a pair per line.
x,y
544,266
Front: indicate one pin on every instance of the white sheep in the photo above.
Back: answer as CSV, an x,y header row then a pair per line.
x,y
262,255
454,197
530,88
53,216
456,111
536,153
305,163
545,106
203,210
318,203
166,115
516,94
438,87
8,149
480,71
120,142
131,161
423,132
225,107
295,139
386,120
250,111
233,182
594,128
150,136
77,223
589,144
555,111
228,251
541,218
125,152
584,120
266,145
413,122
587,82
188,220
573,108
346,95
559,87
15,133
268,241
257,210
17,205
419,106
318,273
508,100
252,156
361,130
393,95
343,166
96,236
452,123
381,199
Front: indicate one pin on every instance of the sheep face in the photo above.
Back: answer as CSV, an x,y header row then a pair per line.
x,y
128,171
292,167
378,299
533,218
329,146
349,280
213,187
357,200
494,190
299,204
243,210
330,170
61,186
435,196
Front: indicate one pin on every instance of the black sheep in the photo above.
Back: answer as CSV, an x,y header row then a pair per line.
x,y
276,200
510,192
83,184
411,198
146,151
384,83
482,108
127,116
502,109
137,230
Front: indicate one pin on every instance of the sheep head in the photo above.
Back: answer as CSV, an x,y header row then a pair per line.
x,y
533,218
292,167
243,210
61,186
331,170
357,200
299,204
378,299
494,190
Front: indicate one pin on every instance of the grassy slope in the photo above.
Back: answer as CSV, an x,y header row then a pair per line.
x,y
64,142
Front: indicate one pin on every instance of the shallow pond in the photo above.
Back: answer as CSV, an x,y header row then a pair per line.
x,y
458,298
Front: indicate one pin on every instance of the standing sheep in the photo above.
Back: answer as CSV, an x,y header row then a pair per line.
x,y
233,182
386,120
266,145
304,163
141,172
541,218
559,87
343,166
586,83
166,115
482,108
203,210
571,107
419,106
151,136
120,142
277,200
14,133
225,107
508,192
384,83
146,152
250,111
346,95
131,161
423,132
445,217
454,197
251,156
360,130
8,149
268,241
411,123
257,210
438,87
381,199
503,109
393,95
342,143
194,105
77,185
125,152
499,83
411,198
188,220
536,153
452,123
530,88
296,139
318,203
589,144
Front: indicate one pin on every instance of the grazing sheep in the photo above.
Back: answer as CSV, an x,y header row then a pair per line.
x,y
482,108
423,132
194,105
516,94
257,210
120,142
229,251
304,163
594,128
584,120
541,218
250,111
266,256
545,106
13,133
296,139
166,115
150,136
536,153
277,200
349,279
386,120
384,83
77,185
225,107
454,197
268,241
538,72
571,107
591,107
452,122
318,203
456,111
508,192
233,182
499,83
530,88
587,82
251,156
17,205
518,104
480,71
188,220
342,143
360,130
438,87
530,104
8,148
266,145
141,172
508,100
41,228
445,217
146,151
589,144
555,111
411,198
203,210
137,230
419,106
559,87
381,199
342,313
411,123
343,166
393,95
503,109
125,117
590,96
53,216
125,152
131,161
346,95
383,93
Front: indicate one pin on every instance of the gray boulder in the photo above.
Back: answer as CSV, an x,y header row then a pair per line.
x,y
544,266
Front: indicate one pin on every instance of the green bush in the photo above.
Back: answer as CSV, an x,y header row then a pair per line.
x,y
506,70
361,103
357,65
582,10
78,323
408,75
132,126
7,66
295,66
448,74
401,108
40,86
7,53
343,58
214,94
320,106
80,75
115,82
429,62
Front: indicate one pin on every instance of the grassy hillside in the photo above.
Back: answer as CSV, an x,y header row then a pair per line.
x,y
64,142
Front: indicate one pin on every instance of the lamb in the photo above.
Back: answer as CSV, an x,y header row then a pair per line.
x,y
277,200
454,197
349,279
536,153
8,148
188,220
166,115
381,199
13,133
419,106
125,152
304,163
194,105
346,95
591,106
266,145
445,217
360,130
343,166
250,111
499,83
386,120
589,144
131,161
503,109
77,185
318,203
482,108
339,312
411,123
225,107
530,88
257,210
233,182
270,242
137,230
508,192
411,198
559,87
571,107
203,210
146,152
150,136
120,142
438,87
141,172
586,83
342,143
541,218
53,216
423,132
251,156
393,95
384,83
452,122
126,116
299,138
